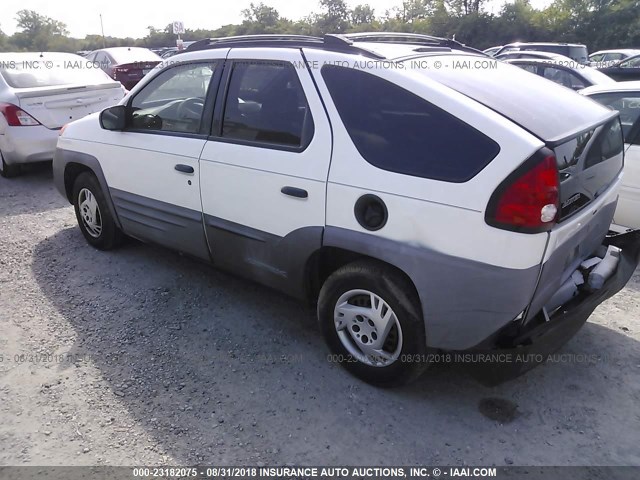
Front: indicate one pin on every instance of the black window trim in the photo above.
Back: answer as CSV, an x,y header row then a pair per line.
x,y
207,113
221,101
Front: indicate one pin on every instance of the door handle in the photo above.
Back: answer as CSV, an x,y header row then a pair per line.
x,y
294,192
184,168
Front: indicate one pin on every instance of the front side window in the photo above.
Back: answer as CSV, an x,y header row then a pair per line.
x,y
396,130
266,104
174,100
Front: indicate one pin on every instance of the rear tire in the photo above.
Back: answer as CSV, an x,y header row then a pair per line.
x,y
371,319
93,214
8,171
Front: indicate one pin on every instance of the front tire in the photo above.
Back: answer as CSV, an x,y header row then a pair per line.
x,y
6,170
370,317
93,215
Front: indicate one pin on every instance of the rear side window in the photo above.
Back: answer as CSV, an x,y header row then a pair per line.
x,y
266,104
395,130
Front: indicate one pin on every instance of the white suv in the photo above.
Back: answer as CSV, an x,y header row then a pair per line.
x,y
427,197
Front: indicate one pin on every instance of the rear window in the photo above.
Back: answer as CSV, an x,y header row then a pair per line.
x,y
588,164
29,73
398,131
548,111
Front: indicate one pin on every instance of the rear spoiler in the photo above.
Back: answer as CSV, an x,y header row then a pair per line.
x,y
580,129
58,89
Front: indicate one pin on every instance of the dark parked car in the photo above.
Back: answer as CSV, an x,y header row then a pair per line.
x,y
575,51
628,69
125,64
576,78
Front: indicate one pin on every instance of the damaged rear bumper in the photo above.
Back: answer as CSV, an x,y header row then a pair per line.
x,y
519,348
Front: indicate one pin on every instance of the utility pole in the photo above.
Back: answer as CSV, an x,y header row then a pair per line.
x,y
104,43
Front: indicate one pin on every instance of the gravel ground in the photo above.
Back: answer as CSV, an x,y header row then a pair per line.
x,y
141,356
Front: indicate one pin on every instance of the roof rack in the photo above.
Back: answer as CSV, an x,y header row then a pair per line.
x,y
410,38
345,43
328,42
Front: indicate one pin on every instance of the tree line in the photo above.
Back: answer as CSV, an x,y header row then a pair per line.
x,y
597,23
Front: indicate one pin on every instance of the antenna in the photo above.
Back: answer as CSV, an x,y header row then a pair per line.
x,y
104,42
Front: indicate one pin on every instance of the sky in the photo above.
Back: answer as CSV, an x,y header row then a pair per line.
x,y
130,18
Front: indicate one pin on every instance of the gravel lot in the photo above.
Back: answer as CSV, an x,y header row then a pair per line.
x,y
141,356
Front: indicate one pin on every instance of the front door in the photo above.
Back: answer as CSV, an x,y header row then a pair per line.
x,y
152,167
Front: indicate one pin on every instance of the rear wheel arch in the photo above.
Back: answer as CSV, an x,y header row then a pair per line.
x,y
371,320
326,260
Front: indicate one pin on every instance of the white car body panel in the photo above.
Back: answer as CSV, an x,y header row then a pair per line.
x,y
51,105
242,183
628,211
436,201
55,106
126,159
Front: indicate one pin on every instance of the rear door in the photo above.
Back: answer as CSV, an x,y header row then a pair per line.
x,y
264,169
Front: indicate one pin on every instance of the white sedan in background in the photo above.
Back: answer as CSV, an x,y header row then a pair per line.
x,y
625,97
41,92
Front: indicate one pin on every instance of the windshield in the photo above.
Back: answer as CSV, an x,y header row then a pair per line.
x,y
35,71
133,55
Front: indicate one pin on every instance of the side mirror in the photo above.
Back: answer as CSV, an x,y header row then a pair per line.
x,y
114,118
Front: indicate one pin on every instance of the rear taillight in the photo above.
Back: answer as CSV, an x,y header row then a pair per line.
x,y
16,117
529,199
